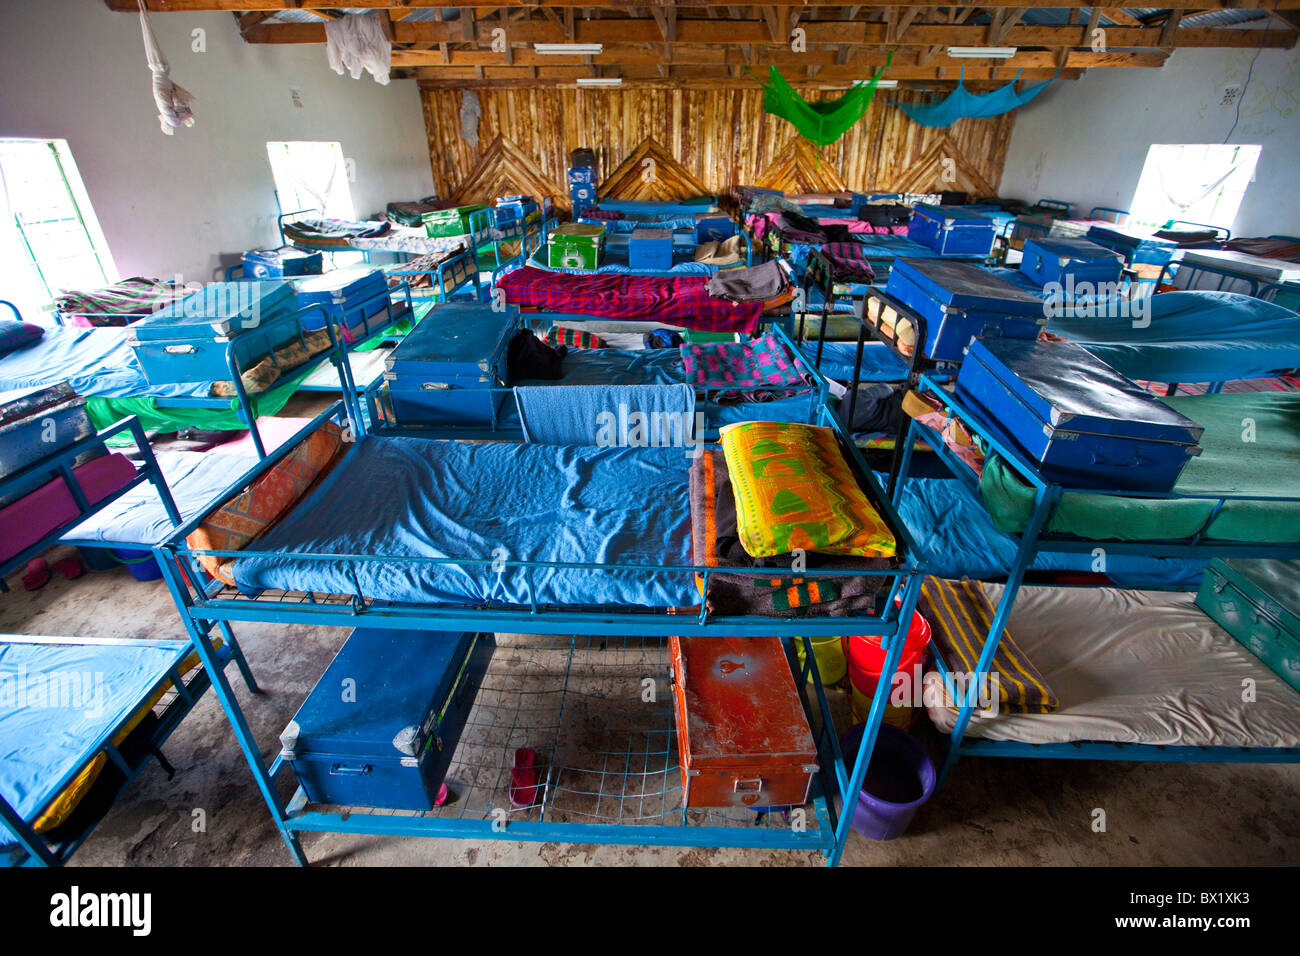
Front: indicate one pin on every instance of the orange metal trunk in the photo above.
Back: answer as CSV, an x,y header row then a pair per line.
x,y
741,730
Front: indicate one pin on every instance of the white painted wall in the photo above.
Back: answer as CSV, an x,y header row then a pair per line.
x,y
1086,141
71,69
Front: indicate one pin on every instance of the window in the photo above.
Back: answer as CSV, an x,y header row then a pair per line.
x,y
50,239
1193,183
311,176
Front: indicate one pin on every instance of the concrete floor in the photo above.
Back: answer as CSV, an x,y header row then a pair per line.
x,y
1014,812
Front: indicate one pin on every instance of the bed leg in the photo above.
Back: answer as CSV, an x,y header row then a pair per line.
x,y
237,652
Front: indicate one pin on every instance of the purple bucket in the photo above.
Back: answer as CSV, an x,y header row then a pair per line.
x,y
900,777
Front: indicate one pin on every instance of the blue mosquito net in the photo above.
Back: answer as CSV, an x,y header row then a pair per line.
x,y
961,102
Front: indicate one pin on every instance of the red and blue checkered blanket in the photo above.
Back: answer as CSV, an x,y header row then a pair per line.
x,y
675,300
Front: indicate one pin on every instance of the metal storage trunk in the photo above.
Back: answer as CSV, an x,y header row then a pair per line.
x,y
1086,424
742,734
278,263
39,423
951,232
576,245
1258,603
1133,246
450,222
513,208
713,227
650,249
380,727
349,295
1253,271
451,368
582,176
1070,260
961,301
187,341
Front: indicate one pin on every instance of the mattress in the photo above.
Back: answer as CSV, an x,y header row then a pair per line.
x,y
100,684
413,498
194,478
1137,667
95,362
1193,337
879,363
1263,467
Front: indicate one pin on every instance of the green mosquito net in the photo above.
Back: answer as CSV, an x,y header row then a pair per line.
x,y
962,103
824,122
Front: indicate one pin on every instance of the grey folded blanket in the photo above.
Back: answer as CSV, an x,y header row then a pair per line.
x,y
756,284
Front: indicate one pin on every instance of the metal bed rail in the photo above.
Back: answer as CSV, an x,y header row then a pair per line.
x,y
1036,539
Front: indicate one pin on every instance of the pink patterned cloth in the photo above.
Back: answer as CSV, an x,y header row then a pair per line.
x,y
762,363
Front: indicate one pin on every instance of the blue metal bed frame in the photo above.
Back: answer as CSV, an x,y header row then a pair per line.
x,y
382,421
34,849
1036,539
203,606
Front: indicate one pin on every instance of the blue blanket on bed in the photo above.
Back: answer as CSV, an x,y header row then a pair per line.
x,y
1193,337
92,361
404,497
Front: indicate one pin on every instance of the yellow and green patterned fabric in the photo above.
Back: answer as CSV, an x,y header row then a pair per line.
x,y
795,491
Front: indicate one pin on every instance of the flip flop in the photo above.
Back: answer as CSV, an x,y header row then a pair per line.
x,y
523,779
37,574
70,568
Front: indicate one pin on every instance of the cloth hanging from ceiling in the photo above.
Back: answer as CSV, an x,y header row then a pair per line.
x,y
823,122
962,103
173,102
356,42
470,112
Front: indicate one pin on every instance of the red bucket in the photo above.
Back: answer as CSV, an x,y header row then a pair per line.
x,y
866,659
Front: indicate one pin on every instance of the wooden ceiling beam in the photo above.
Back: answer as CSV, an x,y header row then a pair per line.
x,y
818,32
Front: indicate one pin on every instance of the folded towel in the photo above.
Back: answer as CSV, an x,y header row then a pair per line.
x,y
607,414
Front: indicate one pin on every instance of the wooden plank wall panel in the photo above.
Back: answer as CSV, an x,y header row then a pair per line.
x,y
721,136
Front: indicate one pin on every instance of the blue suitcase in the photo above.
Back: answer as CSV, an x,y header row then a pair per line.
x,y
1134,247
350,295
951,231
39,422
282,262
713,227
188,340
1070,262
1086,425
961,301
582,176
451,368
511,209
380,727
650,249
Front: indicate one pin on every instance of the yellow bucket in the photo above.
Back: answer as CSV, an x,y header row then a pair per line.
x,y
829,653
860,706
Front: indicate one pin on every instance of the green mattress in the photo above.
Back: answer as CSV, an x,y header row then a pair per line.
x,y
1251,446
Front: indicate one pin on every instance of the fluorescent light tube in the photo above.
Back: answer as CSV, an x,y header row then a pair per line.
x,y
982,52
886,84
600,81
569,49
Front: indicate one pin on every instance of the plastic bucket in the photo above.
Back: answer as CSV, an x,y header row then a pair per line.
x,y
829,653
97,559
140,563
900,777
865,659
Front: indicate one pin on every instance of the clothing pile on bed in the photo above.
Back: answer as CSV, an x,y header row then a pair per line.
x,y
334,232
758,370
119,303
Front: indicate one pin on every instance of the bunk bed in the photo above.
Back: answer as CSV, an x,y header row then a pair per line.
x,y
1233,500
67,763
546,582
101,366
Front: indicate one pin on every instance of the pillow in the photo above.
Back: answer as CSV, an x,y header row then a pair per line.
x,y
961,617
269,498
794,490
14,335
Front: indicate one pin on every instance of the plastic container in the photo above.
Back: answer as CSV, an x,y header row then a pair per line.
x,y
140,563
829,652
900,778
97,559
865,659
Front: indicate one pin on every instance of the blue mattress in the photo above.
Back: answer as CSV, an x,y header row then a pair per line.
x,y
409,497
93,361
47,740
615,262
1194,337
879,364
194,478
955,538
883,246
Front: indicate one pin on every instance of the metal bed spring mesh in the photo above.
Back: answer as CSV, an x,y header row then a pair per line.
x,y
604,755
